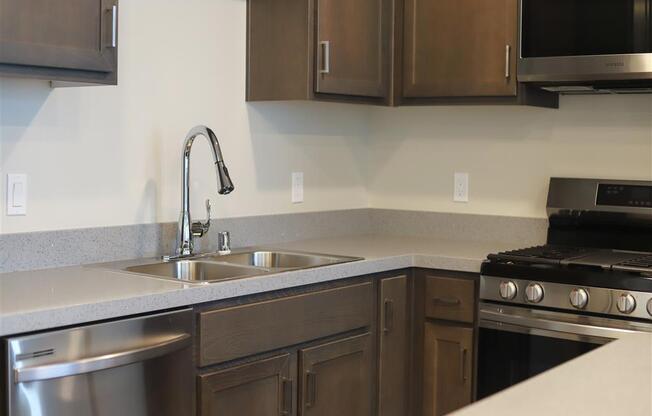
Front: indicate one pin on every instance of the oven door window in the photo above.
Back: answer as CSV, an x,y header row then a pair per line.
x,y
585,27
506,358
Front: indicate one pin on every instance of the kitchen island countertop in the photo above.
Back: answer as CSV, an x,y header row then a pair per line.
x,y
611,380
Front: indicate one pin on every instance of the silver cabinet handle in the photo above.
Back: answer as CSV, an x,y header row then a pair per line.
x,y
326,56
114,26
101,362
508,53
444,301
311,382
389,316
287,397
463,352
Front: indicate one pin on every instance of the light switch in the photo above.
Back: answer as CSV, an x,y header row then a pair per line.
x,y
297,187
16,194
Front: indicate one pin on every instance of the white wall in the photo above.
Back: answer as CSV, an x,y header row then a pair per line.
x,y
509,152
111,155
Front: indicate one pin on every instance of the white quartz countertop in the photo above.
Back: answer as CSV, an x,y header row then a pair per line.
x,y
43,299
615,379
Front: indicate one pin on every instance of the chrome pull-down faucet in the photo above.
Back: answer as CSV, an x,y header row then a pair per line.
x,y
187,229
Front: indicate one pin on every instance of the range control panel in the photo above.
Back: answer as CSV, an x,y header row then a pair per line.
x,y
624,195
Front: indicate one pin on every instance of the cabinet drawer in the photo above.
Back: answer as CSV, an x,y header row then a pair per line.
x,y
449,298
244,330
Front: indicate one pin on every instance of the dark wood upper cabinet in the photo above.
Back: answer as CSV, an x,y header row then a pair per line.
x,y
391,52
462,52
279,50
448,358
68,40
319,50
455,48
350,47
393,347
336,378
263,388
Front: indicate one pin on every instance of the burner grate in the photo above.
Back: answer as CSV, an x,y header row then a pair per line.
x,y
546,253
639,263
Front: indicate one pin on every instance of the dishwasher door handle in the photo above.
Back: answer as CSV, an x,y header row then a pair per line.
x,y
101,362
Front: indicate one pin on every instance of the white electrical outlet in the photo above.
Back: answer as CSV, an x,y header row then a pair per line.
x,y
297,187
461,187
16,194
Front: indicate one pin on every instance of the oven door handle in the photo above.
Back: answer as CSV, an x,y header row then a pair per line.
x,y
552,328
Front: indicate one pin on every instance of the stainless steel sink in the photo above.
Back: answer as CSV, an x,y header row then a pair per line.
x,y
206,268
280,259
196,270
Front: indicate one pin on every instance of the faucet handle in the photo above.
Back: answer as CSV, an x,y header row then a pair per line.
x,y
199,229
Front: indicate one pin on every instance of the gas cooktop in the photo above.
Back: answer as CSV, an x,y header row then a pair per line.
x,y
608,259
597,258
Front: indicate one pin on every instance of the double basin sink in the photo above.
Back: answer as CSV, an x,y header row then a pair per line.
x,y
206,268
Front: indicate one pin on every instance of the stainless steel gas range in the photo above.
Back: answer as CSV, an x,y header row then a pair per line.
x,y
589,284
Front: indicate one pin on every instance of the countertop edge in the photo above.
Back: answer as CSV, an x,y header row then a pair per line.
x,y
56,317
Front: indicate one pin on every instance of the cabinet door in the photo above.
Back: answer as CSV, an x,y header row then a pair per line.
x,y
64,34
336,378
447,368
393,363
460,48
261,388
350,47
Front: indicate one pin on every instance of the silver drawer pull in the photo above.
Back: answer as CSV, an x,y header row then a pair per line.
x,y
508,55
326,56
311,381
114,26
463,352
446,301
101,362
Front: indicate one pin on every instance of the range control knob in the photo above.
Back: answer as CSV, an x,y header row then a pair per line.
x,y
507,290
649,307
626,303
579,298
534,293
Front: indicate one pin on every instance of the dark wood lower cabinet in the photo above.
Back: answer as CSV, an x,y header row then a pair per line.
x,y
393,344
393,347
262,388
337,378
447,372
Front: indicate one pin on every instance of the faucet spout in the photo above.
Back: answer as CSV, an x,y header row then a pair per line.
x,y
185,244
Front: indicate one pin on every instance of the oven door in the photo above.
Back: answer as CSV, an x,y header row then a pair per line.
x,y
518,343
585,40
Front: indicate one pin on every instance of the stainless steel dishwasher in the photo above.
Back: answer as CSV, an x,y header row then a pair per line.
x,y
133,367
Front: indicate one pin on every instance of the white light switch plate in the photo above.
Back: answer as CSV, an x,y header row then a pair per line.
x,y
16,194
461,187
297,187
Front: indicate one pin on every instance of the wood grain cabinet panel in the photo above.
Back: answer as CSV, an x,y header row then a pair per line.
x,y
73,40
262,388
244,330
350,49
460,48
336,50
450,299
337,379
278,50
447,384
393,347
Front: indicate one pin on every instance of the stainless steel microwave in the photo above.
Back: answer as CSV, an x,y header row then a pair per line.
x,y
580,42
